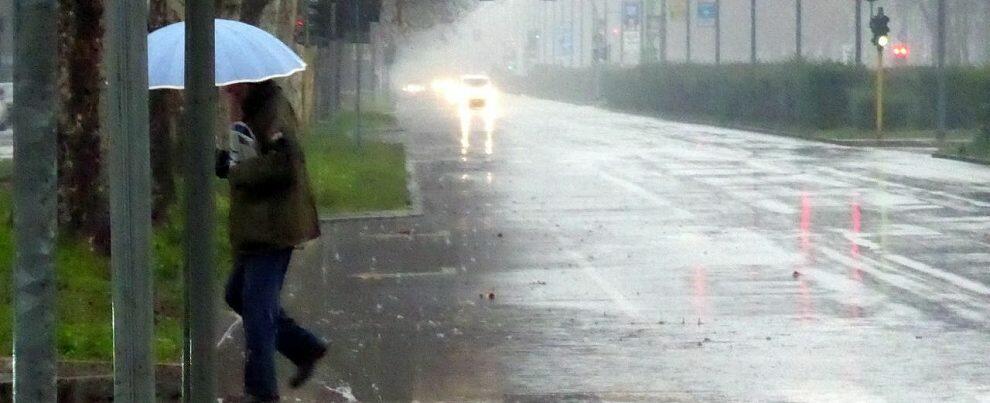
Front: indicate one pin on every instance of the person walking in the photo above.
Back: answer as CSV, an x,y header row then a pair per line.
x,y
272,211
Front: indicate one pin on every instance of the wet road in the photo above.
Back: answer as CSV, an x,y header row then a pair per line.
x,y
595,255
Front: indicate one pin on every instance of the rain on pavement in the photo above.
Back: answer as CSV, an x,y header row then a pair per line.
x,y
593,255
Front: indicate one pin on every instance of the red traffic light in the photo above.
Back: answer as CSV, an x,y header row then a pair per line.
x,y
901,51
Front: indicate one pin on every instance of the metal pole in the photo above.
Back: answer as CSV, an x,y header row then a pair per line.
x,y
201,106
880,78
130,201
644,38
358,56
687,20
663,31
752,32
797,31
35,191
943,96
583,45
608,33
574,50
718,32
859,32
622,34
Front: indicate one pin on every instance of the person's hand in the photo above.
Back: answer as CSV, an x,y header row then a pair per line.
x,y
223,163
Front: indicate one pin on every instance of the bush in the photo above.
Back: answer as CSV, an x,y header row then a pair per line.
x,y
793,94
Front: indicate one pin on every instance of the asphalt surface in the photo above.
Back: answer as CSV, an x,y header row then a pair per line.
x,y
595,255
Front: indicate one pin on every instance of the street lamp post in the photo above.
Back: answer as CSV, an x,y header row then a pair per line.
x,y
35,195
942,101
130,201
752,31
199,358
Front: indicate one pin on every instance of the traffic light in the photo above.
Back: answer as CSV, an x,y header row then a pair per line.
x,y
319,21
880,25
901,51
370,11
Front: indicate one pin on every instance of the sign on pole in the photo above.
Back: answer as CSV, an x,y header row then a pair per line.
x,y
632,25
707,13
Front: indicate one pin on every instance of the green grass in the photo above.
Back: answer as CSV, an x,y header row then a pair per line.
x,y
347,178
84,289
6,168
859,134
978,149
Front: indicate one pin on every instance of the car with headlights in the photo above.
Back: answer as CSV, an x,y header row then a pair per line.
x,y
477,92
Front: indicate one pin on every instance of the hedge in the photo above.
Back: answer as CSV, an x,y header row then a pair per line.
x,y
793,94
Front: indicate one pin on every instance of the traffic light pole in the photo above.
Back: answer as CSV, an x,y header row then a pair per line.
x,y
358,57
718,32
752,31
859,32
687,21
880,83
942,81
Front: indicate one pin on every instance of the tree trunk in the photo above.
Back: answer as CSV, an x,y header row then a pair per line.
x,y
164,106
82,193
252,10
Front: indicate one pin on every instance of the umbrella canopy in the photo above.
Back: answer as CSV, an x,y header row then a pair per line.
x,y
244,54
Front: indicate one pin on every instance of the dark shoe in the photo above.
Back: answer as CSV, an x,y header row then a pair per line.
x,y
304,371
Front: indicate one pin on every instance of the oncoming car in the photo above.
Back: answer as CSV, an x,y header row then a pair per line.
x,y
477,92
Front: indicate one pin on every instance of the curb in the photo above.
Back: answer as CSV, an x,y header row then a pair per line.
x,y
93,382
961,159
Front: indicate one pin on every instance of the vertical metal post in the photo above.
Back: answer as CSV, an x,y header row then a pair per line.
x,y
358,57
880,78
201,106
130,201
583,45
622,34
798,35
859,32
663,31
34,177
943,97
752,32
718,32
687,20
645,45
608,33
574,46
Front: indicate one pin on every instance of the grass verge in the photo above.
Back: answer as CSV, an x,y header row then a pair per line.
x,y
345,178
859,134
977,150
84,304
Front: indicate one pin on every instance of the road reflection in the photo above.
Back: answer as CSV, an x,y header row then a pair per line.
x,y
806,309
487,118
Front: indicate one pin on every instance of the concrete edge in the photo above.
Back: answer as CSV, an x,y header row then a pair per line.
x,y
99,385
961,159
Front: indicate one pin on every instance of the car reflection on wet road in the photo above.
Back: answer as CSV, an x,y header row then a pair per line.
x,y
593,255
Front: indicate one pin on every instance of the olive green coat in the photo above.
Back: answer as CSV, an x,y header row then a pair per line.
x,y
271,201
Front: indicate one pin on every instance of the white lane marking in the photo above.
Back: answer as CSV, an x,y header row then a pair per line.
x,y
965,306
954,279
640,191
627,307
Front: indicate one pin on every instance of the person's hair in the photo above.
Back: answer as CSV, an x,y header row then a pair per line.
x,y
260,108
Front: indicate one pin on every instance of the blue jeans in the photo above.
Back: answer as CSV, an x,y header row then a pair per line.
x,y
253,292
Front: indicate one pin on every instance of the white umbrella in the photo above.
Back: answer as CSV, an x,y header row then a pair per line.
x,y
244,54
